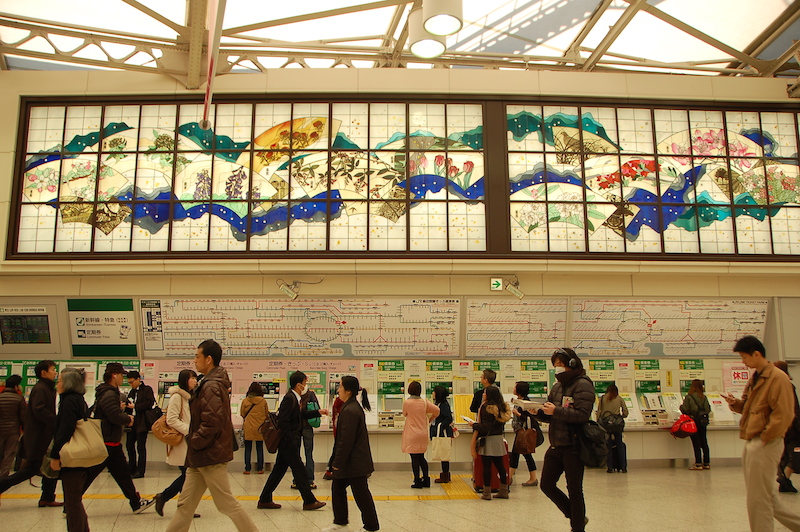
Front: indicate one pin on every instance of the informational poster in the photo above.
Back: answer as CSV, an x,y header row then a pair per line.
x,y
735,377
634,412
102,327
391,371
647,370
601,370
5,369
690,370
438,373
152,330
600,387
721,414
535,373
672,404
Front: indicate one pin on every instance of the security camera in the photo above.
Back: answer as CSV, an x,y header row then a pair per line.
x,y
289,290
512,287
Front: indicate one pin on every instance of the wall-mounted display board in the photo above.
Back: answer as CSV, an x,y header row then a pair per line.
x,y
102,327
358,327
657,328
30,326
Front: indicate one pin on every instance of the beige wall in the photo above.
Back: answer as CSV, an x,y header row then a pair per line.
x,y
354,277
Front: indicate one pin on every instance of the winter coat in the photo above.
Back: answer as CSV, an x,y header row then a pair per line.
x,y
108,408
254,411
40,421
71,408
178,416
417,412
352,456
13,410
145,400
490,420
767,406
581,392
693,406
612,406
442,423
211,429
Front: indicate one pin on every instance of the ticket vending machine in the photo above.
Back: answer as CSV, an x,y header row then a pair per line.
x,y
271,392
390,404
165,382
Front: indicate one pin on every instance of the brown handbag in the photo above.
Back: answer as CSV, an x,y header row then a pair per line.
x,y
163,432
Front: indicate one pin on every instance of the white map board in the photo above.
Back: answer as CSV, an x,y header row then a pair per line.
x,y
506,327
669,327
254,327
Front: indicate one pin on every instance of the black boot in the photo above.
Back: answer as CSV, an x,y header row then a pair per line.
x,y
426,482
785,486
417,484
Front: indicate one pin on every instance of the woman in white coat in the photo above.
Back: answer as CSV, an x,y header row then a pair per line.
x,y
178,417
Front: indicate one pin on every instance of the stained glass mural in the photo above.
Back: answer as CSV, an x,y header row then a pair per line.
x,y
679,196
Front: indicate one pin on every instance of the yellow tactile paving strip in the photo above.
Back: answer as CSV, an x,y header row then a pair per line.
x,y
459,488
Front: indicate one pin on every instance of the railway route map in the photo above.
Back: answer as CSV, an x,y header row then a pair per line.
x,y
669,327
506,327
325,328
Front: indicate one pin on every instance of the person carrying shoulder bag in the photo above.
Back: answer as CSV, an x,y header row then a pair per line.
x,y
696,406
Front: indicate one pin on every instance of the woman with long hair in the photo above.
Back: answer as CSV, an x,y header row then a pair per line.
x,y
442,427
254,411
569,405
71,387
492,417
351,463
178,417
612,404
522,419
696,406
418,413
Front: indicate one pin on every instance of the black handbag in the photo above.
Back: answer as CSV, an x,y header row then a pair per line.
x,y
152,415
613,423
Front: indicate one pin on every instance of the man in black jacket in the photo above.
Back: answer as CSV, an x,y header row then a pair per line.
x,y
12,422
290,424
487,379
140,400
108,408
40,423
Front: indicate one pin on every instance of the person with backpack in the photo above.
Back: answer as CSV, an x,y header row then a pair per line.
x,y
611,404
696,406
568,408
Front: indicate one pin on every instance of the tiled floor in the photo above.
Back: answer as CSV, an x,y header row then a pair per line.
x,y
657,499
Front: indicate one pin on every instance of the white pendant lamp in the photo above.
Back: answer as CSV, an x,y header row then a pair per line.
x,y
423,44
442,17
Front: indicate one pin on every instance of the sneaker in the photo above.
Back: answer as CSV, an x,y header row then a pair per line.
x,y
312,486
334,527
144,504
696,467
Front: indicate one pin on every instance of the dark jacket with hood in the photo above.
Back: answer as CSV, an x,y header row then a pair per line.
x,y
352,456
575,385
12,413
41,419
144,401
108,408
210,430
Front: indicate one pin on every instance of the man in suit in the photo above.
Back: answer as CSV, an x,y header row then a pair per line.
x,y
140,400
290,424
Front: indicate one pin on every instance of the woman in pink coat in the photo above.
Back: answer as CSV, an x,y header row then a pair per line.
x,y
418,413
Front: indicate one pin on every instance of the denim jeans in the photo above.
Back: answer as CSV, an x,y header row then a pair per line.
x,y
248,448
308,446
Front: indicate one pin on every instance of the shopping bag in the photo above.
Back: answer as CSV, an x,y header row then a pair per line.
x,y
683,427
440,446
86,447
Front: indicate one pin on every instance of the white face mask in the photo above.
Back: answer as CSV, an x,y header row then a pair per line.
x,y
560,369
304,389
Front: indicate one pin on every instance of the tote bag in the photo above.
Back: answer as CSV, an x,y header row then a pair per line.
x,y
440,447
86,447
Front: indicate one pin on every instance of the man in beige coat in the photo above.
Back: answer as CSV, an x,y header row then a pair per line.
x,y
767,408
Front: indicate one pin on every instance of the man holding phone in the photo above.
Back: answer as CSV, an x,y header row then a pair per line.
x,y
767,408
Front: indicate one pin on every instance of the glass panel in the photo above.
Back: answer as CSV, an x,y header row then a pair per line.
x,y
387,226
779,132
561,133
349,230
429,226
786,231
190,227
354,128
525,128
274,186
46,129
350,172
272,124
387,125
157,133
750,188
37,226
714,187
120,132
782,182
672,133
190,136
465,127
309,175
607,235
82,127
78,178
40,183
308,230
635,130
753,230
228,226
599,125
467,223
387,178
708,134
73,229
231,181
716,229
426,124
677,239
641,229
676,181
233,125
567,227
194,182
524,170
744,133
151,226
529,227
269,226
112,227
154,175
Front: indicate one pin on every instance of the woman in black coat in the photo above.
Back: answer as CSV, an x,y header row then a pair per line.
x,y
352,459
72,407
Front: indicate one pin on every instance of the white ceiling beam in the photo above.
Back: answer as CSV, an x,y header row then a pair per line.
x,y
784,21
572,51
196,11
312,16
634,7
59,28
782,60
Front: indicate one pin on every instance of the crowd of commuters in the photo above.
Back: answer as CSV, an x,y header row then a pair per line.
x,y
200,410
